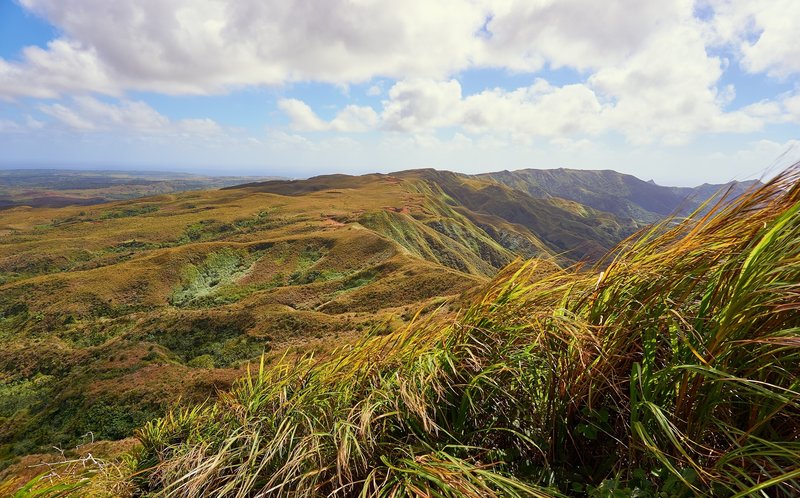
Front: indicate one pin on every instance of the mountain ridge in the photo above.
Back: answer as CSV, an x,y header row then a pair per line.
x,y
618,193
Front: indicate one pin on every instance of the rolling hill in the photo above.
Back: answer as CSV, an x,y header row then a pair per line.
x,y
110,313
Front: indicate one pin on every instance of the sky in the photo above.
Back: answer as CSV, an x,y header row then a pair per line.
x,y
679,91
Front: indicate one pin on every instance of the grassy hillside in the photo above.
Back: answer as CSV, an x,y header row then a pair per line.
x,y
671,369
514,219
570,229
110,312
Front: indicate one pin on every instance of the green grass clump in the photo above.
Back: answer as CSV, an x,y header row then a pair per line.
x,y
217,271
674,371
17,395
128,212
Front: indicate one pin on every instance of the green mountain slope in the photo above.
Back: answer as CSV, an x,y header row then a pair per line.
x,y
622,195
529,225
109,312
569,229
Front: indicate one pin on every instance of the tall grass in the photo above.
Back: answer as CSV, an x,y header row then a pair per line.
x,y
674,370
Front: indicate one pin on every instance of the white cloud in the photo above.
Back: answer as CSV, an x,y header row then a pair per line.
x,y
208,46
350,119
355,118
65,66
763,32
642,69
645,101
540,109
88,114
649,77
783,108
574,33
791,104
301,116
668,90
71,118
421,104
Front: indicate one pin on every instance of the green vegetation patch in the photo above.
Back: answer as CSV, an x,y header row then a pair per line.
x,y
133,245
214,275
18,395
232,293
263,220
206,230
129,212
208,342
34,263
73,415
310,255
357,280
305,273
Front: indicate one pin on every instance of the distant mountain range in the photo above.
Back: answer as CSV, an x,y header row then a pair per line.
x,y
620,194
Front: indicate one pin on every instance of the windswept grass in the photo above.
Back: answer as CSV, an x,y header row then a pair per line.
x,y
674,371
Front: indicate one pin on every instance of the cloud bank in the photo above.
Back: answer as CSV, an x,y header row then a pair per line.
x,y
650,72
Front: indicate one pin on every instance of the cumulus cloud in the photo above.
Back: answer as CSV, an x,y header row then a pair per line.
x,y
208,46
791,106
763,32
350,119
669,89
573,33
651,76
301,116
419,104
65,66
88,114
667,110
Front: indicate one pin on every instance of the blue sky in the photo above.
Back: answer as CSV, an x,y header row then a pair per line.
x,y
679,91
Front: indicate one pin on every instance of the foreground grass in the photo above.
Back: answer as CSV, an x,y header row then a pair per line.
x,y
673,372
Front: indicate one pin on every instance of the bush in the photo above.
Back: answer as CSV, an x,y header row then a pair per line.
x,y
202,361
